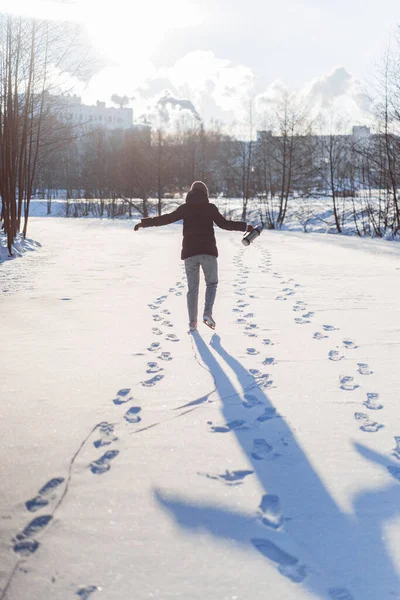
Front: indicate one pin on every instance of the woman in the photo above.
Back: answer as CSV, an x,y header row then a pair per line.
x,y
199,248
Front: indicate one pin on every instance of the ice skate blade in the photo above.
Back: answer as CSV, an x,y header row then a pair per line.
x,y
210,325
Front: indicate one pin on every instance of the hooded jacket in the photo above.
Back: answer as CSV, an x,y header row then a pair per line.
x,y
199,216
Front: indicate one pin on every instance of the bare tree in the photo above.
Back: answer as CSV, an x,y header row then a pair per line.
x,y
30,51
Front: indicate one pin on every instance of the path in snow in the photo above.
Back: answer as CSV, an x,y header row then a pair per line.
x,y
114,416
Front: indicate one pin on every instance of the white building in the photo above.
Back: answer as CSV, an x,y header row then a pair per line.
x,y
92,117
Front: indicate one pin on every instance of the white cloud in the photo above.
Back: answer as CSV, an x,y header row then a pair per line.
x,y
335,93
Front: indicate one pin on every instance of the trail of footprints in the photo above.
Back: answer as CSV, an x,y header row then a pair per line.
x,y
270,512
24,543
156,372
347,382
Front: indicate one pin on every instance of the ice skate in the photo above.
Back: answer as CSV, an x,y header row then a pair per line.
x,y
209,321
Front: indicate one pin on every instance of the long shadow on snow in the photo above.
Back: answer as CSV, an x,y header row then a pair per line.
x,y
318,544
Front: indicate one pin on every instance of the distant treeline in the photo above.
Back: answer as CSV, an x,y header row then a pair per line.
x,y
358,172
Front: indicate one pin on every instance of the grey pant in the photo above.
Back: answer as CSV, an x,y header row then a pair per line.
x,y
209,264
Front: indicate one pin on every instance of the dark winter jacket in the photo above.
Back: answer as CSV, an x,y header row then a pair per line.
x,y
199,216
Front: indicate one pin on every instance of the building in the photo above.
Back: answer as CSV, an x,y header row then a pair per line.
x,y
91,117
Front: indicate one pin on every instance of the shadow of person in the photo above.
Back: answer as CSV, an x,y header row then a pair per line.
x,y
300,528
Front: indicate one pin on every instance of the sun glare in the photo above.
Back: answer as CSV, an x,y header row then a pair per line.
x,y
118,29
122,31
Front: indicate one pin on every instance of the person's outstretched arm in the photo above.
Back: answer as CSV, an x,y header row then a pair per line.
x,y
230,225
166,219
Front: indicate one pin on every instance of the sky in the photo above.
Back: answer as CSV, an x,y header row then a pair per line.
x,y
214,56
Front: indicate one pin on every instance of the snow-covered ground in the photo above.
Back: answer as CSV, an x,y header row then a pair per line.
x,y
259,461
20,246
303,214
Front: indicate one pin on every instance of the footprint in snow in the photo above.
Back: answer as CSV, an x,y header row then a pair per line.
x,y
372,401
172,290
153,367
132,415
152,381
308,315
179,294
256,373
229,477
250,334
252,351
156,331
153,306
340,594
335,355
366,424
281,298
240,321
298,307
252,326
329,328
289,566
264,382
250,401
167,324
347,383
106,435
171,337
301,321
237,310
102,464
166,312
261,449
249,315
122,397
24,546
269,361
165,356
268,342
268,414
45,492
396,451
157,318
364,369
349,344
154,347
270,511
85,592
231,426
319,336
